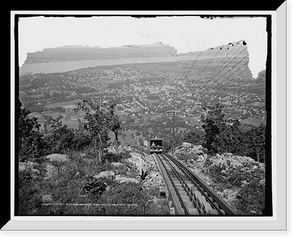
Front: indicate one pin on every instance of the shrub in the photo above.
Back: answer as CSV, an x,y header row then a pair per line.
x,y
30,143
132,196
251,199
187,157
117,157
96,186
29,198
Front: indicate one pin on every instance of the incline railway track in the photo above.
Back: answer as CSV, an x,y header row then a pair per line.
x,y
188,193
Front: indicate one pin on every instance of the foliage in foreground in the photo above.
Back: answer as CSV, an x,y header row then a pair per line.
x,y
75,185
30,143
93,132
76,192
239,180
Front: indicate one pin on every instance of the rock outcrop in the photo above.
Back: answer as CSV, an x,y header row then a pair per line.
x,y
104,174
122,179
239,180
57,157
29,166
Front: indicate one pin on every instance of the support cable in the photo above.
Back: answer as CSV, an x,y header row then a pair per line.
x,y
225,73
211,79
222,61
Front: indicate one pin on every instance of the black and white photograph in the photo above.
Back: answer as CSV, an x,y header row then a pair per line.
x,y
143,116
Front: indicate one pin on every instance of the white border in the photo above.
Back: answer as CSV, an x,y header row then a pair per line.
x,y
279,166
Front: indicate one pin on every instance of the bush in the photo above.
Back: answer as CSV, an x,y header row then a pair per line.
x,y
195,137
30,143
117,157
29,197
251,199
187,157
132,196
96,186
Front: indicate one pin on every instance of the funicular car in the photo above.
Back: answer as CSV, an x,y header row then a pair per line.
x,y
156,145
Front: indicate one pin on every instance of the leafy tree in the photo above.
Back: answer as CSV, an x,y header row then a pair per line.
x,y
229,140
171,141
61,137
150,131
29,197
213,125
194,136
81,139
256,140
98,120
115,122
221,137
30,140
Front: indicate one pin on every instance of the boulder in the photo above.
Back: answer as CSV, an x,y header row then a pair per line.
x,y
111,149
122,179
57,157
155,175
27,166
138,162
149,159
51,171
187,144
135,155
104,174
47,198
198,147
117,164
153,179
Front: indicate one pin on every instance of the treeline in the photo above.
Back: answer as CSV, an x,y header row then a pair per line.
x,y
92,133
221,137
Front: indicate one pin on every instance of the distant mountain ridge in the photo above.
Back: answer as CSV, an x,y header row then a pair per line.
x,y
76,53
155,50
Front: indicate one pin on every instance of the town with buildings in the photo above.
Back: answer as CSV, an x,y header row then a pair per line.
x,y
145,94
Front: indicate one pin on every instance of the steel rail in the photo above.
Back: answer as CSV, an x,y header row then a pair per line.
x,y
180,208
205,194
190,192
201,203
211,197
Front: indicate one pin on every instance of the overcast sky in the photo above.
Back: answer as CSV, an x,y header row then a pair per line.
x,y
184,33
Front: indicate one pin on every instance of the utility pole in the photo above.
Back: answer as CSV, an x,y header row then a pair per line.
x,y
172,113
